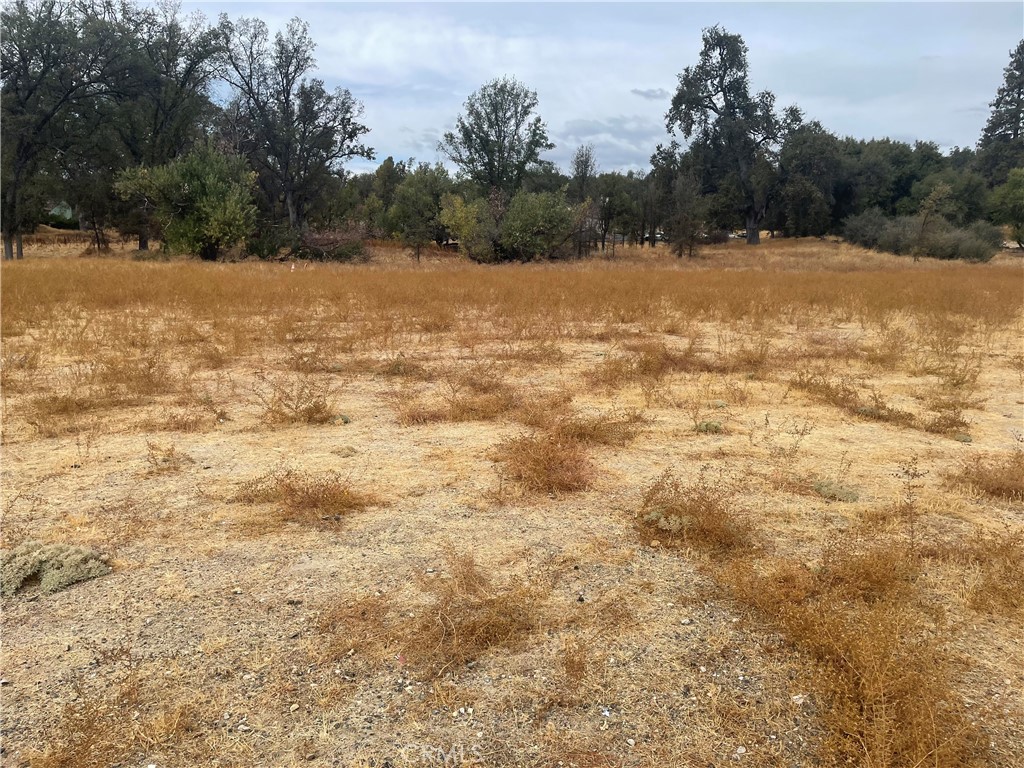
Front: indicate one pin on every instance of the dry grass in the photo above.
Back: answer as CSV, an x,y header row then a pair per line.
x,y
468,614
135,393
885,687
1000,476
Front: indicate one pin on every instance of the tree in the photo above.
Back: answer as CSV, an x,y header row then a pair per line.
x,y
417,207
472,225
1007,203
293,131
583,173
202,200
499,138
612,202
686,223
1001,147
536,225
713,104
56,56
159,112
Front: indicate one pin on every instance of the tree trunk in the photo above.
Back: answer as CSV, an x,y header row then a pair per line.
x,y
19,252
293,210
143,241
753,232
8,246
652,234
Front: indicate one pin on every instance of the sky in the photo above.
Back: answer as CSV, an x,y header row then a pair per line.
x,y
605,73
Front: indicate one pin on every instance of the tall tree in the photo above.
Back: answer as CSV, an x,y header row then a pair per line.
x,y
55,56
714,105
583,173
499,137
1001,147
160,111
294,132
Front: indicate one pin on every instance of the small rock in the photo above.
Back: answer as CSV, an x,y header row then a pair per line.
x,y
655,543
237,591
687,621
741,750
243,727
293,708
631,742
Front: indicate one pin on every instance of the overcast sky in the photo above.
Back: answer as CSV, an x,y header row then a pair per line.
x,y
605,72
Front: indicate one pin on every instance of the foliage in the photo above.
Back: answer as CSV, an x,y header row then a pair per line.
x,y
417,207
536,226
471,224
499,137
914,235
295,133
713,104
203,200
1007,204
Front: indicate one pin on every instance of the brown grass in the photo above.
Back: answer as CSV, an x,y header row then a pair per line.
x,y
999,476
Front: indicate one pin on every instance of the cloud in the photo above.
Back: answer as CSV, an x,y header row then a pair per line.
x,y
653,94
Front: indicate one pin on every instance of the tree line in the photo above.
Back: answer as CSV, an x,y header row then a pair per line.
x,y
212,137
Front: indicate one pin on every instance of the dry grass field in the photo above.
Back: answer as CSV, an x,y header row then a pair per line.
x,y
760,509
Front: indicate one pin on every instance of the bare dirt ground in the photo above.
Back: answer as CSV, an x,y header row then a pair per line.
x,y
748,510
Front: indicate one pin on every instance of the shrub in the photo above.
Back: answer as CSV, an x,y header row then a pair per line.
x,y
1001,477
546,463
319,500
57,566
865,228
695,514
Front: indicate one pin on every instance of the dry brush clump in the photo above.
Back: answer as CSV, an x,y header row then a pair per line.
x,y
1000,476
884,685
698,514
545,463
321,500
467,614
302,399
842,393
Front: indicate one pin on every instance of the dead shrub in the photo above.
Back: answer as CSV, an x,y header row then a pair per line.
x,y
545,463
317,500
885,692
468,614
615,428
842,393
994,565
696,514
300,400
540,410
478,394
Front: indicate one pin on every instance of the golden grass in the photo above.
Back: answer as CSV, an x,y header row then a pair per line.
x,y
163,384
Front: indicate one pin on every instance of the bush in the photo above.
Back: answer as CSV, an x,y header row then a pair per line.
x,y
900,235
865,228
330,246
57,566
911,235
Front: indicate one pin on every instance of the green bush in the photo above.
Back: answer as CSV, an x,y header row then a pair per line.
x,y
936,237
203,200
57,566
865,228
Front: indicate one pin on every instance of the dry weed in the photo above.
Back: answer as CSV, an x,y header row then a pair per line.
x,y
318,500
698,514
545,463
